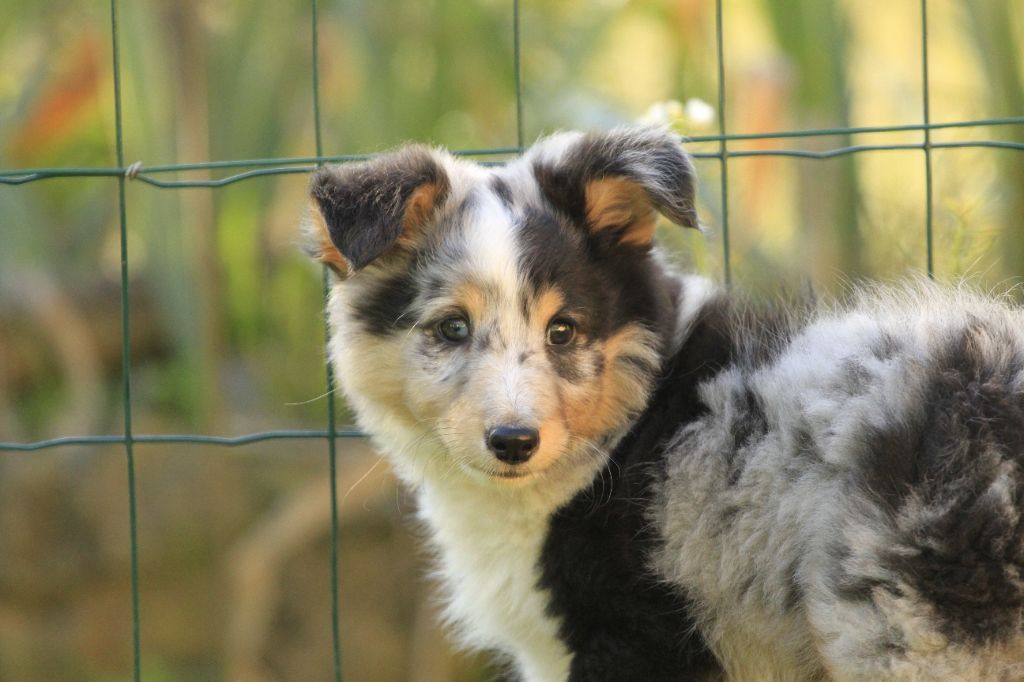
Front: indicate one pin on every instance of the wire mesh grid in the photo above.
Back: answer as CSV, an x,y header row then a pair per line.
x,y
151,175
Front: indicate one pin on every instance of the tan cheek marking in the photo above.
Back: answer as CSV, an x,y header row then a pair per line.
x,y
553,435
604,404
621,203
386,385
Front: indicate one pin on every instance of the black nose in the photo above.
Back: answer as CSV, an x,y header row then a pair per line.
x,y
513,444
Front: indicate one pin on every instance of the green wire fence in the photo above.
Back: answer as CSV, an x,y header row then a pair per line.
x,y
150,174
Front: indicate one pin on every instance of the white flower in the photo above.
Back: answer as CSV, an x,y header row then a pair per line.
x,y
699,113
696,113
657,115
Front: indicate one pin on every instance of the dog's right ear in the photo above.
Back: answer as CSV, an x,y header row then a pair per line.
x,y
614,183
360,211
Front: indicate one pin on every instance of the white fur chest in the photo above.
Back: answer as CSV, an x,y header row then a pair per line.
x,y
490,545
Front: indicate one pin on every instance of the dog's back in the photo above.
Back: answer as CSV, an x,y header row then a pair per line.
x,y
850,504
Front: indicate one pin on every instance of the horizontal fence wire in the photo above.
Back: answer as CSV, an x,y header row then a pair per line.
x,y
306,164
154,175
199,439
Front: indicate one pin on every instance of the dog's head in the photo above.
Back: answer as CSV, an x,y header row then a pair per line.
x,y
508,322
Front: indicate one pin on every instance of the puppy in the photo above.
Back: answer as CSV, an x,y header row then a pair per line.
x,y
628,475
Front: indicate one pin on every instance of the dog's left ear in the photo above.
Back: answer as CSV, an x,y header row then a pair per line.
x,y
616,182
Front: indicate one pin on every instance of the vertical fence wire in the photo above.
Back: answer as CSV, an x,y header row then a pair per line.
x,y
518,74
723,151
929,238
126,360
332,432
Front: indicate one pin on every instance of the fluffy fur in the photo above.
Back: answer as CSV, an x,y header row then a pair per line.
x,y
718,492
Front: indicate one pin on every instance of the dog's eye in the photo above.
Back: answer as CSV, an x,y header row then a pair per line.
x,y
561,332
454,329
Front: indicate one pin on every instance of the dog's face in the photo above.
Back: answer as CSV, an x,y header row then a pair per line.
x,y
515,316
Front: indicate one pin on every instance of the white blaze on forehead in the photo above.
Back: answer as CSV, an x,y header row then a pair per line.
x,y
509,391
491,249
554,148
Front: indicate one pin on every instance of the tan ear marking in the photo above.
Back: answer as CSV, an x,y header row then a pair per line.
x,y
618,203
322,247
419,209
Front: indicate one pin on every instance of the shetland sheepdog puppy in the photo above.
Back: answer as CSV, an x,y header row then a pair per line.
x,y
630,475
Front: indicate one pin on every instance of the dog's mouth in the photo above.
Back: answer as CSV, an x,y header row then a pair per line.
x,y
502,474
511,474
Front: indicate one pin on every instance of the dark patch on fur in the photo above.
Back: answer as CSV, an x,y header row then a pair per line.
x,y
567,362
894,643
550,252
762,331
794,595
457,216
756,422
887,347
501,188
382,309
363,204
889,464
621,621
749,426
967,434
735,471
483,339
525,305
856,378
804,447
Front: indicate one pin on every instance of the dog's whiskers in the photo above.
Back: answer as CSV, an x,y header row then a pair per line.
x,y
313,400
